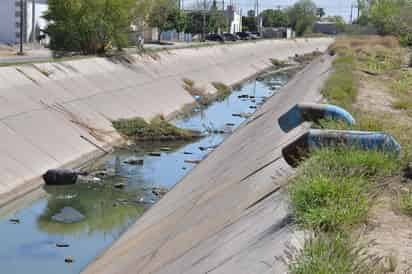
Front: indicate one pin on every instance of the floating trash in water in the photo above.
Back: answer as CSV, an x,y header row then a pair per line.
x,y
119,185
69,260
193,161
134,161
159,191
15,221
155,154
66,197
62,245
145,200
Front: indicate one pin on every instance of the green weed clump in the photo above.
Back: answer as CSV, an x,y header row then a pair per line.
x,y
223,90
341,87
330,253
379,59
403,104
330,204
332,190
188,82
157,130
401,83
406,203
351,162
277,63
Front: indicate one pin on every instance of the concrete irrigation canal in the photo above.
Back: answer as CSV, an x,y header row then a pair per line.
x,y
95,212
224,211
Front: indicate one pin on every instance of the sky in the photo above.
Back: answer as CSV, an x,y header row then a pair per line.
x,y
332,7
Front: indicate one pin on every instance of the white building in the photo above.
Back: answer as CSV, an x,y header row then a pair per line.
x,y
235,19
10,26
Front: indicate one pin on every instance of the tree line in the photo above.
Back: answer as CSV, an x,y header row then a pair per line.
x,y
301,17
93,26
388,17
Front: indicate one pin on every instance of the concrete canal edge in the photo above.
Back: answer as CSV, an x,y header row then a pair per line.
x,y
46,108
230,214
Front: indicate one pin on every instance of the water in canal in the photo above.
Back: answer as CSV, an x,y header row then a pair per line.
x,y
37,239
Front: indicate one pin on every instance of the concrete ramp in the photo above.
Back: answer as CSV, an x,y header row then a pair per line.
x,y
230,214
45,108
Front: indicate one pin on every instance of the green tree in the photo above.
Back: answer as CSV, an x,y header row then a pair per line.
x,y
88,26
302,16
390,17
383,15
340,22
216,20
404,23
166,15
249,23
195,22
275,18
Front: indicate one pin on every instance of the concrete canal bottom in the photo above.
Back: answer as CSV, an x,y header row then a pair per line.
x,y
68,227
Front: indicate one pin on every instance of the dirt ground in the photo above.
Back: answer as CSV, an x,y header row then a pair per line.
x,y
373,96
6,51
388,231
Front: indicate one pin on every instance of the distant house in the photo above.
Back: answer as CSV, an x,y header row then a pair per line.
x,y
277,33
10,25
326,27
235,19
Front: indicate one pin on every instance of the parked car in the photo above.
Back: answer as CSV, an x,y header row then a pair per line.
x,y
252,36
230,37
243,35
256,34
215,37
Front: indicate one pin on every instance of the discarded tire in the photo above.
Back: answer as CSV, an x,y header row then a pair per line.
x,y
60,177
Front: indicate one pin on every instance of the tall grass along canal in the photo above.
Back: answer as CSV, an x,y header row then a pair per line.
x,y
69,226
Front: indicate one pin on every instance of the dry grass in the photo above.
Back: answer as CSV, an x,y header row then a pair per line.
x,y
361,42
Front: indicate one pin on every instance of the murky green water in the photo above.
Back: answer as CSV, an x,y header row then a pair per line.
x,y
32,241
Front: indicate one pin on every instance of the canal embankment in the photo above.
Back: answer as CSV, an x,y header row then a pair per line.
x,y
51,114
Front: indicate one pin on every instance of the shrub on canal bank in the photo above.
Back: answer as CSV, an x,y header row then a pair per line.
x,y
157,129
329,204
406,203
331,195
333,188
331,253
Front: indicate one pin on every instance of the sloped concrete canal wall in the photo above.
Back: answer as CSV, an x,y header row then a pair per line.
x,y
230,214
46,108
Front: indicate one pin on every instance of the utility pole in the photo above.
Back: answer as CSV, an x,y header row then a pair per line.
x,y
21,26
204,21
351,13
33,21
